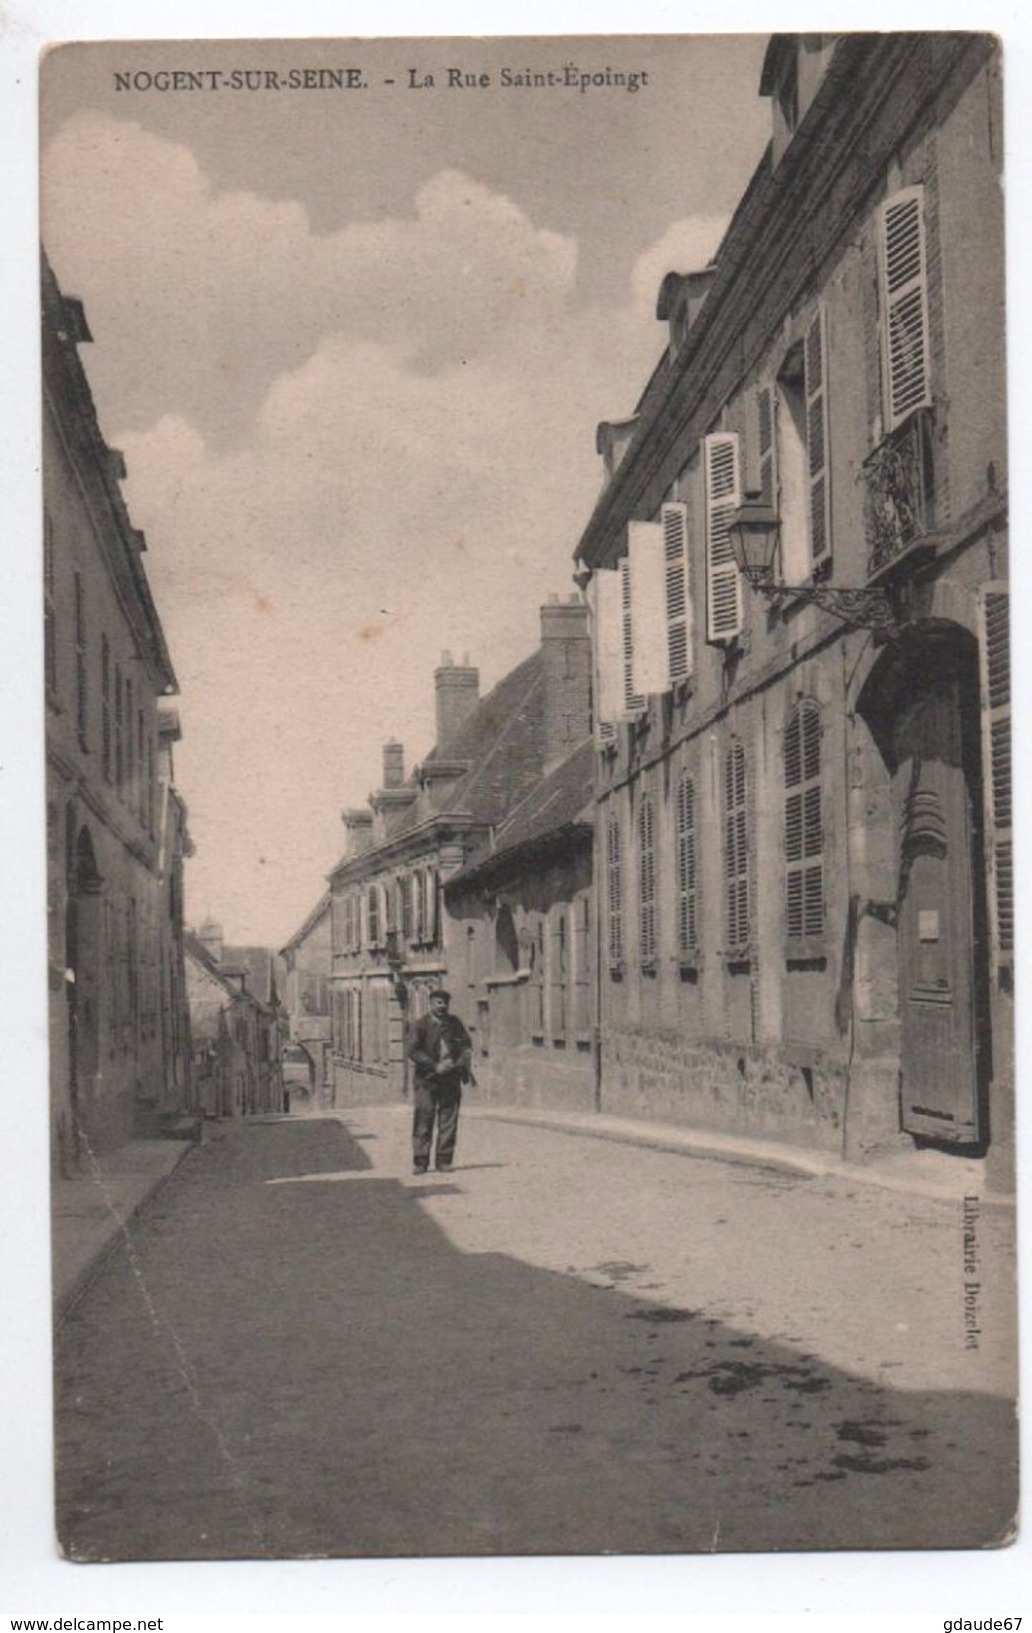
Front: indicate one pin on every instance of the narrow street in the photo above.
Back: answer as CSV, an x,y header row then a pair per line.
x,y
567,1345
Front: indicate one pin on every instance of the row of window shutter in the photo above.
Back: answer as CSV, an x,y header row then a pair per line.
x,y
804,851
649,594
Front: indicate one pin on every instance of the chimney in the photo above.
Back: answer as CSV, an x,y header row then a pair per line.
x,y
457,690
359,824
210,938
393,764
566,653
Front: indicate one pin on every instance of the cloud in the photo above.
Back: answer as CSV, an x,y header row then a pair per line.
x,y
348,453
686,246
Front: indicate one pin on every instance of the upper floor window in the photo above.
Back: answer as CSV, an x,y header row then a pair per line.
x,y
736,851
105,706
903,294
723,495
687,877
804,832
647,882
790,443
81,665
373,924
614,893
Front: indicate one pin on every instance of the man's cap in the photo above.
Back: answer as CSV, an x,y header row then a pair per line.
x,y
439,992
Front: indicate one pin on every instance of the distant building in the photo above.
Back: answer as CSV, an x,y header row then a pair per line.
x,y
308,960
116,827
393,940
524,945
804,811
237,1032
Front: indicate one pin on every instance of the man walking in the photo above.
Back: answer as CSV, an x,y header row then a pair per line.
x,y
441,1050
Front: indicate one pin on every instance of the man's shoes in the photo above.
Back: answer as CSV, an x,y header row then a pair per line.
x,y
444,1167
417,1169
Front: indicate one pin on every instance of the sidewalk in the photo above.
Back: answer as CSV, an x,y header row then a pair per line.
x,y
933,1174
90,1214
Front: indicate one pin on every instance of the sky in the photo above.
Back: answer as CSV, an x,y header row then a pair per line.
x,y
354,346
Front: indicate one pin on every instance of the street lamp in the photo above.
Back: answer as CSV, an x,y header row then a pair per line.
x,y
754,532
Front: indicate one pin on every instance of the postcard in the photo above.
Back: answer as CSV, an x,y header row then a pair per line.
x,y
528,756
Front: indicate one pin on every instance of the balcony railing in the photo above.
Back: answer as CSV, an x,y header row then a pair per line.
x,y
900,496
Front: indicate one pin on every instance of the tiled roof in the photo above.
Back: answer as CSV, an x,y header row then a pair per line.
x,y
558,804
502,741
259,965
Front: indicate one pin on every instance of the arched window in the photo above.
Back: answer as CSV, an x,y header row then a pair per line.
x,y
647,882
804,832
687,876
614,893
736,851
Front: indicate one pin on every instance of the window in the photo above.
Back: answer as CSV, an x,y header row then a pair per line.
x,y
903,290
557,975
405,907
119,743
804,834
81,686
678,604
614,893
633,702
687,878
736,852
790,454
373,926
537,991
141,767
105,706
723,496
49,608
996,739
581,971
130,754
815,384
647,883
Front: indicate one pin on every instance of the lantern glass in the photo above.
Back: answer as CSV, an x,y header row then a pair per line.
x,y
753,533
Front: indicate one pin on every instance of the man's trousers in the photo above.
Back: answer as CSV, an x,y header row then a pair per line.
x,y
435,1102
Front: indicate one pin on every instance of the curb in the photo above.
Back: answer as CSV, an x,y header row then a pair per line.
x,y
716,1148
65,1300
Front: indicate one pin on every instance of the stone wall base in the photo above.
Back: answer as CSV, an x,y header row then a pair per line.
x,y
538,1079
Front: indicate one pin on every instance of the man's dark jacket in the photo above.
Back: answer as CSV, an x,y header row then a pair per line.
x,y
427,1041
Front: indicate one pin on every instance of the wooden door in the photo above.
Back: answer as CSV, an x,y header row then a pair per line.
x,y
933,782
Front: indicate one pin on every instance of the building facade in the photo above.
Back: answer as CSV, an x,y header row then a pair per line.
x,y
803,849
392,936
524,946
116,828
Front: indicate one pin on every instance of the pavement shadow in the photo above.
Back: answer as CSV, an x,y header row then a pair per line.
x,y
316,1370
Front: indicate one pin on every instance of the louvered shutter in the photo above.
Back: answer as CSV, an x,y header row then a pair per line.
x,y
904,306
678,597
766,450
687,931
723,496
650,667
736,850
557,979
605,593
804,831
633,702
815,356
647,882
614,893
994,607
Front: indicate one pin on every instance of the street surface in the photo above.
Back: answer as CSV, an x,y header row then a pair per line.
x,y
567,1345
